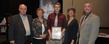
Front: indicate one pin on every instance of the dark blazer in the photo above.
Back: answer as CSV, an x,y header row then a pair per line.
x,y
71,32
16,29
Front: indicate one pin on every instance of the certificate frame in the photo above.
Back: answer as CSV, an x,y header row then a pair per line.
x,y
56,33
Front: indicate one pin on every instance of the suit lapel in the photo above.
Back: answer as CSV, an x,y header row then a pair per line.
x,y
20,21
86,20
81,20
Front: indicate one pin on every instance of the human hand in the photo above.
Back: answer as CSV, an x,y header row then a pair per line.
x,y
12,42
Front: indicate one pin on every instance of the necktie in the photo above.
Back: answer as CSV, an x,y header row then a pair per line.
x,y
82,20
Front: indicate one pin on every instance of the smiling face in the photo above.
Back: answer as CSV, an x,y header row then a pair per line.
x,y
71,13
40,12
87,8
22,9
57,7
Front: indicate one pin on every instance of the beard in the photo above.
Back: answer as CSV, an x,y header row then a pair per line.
x,y
87,13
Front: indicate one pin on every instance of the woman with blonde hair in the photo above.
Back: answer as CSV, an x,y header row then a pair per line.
x,y
39,28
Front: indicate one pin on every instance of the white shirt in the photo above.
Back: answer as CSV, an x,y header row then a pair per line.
x,y
26,24
43,28
56,21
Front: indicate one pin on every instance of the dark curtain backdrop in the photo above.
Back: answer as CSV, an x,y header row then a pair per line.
x,y
10,7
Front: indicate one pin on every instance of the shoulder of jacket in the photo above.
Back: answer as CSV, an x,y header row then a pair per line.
x,y
95,15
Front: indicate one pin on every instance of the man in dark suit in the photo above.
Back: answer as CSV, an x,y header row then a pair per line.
x,y
20,27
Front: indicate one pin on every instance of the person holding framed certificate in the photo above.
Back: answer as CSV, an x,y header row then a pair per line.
x,y
56,25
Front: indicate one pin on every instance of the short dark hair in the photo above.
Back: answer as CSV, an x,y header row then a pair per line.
x,y
22,4
57,3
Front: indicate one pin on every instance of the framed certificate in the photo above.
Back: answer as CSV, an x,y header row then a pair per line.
x,y
56,33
